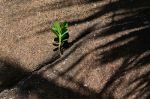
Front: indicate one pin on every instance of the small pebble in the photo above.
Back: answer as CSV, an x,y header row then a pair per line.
x,y
95,5
54,71
75,24
85,85
63,62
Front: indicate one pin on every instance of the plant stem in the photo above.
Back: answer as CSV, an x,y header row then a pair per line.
x,y
60,46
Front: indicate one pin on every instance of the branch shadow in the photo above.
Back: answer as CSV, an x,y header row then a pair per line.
x,y
133,46
113,7
135,52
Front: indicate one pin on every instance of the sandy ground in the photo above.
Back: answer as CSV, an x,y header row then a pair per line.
x,y
108,54
25,28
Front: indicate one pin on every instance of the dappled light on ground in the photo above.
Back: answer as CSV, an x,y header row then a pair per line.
x,y
108,55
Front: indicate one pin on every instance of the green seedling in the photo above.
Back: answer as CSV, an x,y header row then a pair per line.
x,y
60,29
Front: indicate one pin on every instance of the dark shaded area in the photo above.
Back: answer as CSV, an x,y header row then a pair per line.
x,y
45,89
10,74
133,50
113,7
136,52
35,86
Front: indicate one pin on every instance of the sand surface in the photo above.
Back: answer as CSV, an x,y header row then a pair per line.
x,y
108,57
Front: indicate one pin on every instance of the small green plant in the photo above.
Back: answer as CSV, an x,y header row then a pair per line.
x,y
60,29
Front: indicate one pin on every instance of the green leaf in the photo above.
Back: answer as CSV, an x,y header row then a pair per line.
x,y
65,36
54,30
61,31
65,24
57,26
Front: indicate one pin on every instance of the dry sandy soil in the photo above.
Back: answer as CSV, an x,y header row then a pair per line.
x,y
108,55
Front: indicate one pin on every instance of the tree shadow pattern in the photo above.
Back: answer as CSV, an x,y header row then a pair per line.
x,y
136,53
